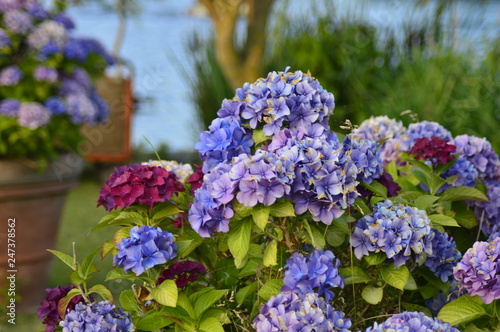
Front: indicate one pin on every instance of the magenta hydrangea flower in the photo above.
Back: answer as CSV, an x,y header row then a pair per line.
x,y
412,321
436,150
146,247
138,184
48,308
184,273
479,270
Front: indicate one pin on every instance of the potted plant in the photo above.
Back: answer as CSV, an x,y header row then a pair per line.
x,y
46,95
289,226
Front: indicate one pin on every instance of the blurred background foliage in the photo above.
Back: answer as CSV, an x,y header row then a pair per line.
x,y
375,71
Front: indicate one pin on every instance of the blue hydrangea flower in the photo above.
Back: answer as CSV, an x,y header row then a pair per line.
x,y
146,247
412,321
45,74
33,115
305,312
480,153
36,10
10,75
428,129
79,49
55,105
365,155
65,20
479,270
394,229
10,107
100,317
17,21
444,256
465,171
81,109
4,39
48,33
317,273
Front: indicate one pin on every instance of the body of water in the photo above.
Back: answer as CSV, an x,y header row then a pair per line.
x,y
155,44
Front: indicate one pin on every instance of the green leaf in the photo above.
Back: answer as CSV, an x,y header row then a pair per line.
x,y
375,258
241,211
335,236
245,292
259,137
397,278
217,313
75,278
392,169
166,209
107,247
440,219
250,269
462,310
239,241
371,294
119,274
206,300
282,208
361,206
64,302
315,237
188,241
65,258
211,325
411,284
85,269
105,221
354,275
260,214
128,301
103,291
153,321
462,193
166,293
424,201
184,303
464,216
271,253
376,188
271,288
121,234
416,307
126,218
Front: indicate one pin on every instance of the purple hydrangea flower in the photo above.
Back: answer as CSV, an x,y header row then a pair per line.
x,y
146,247
380,128
45,74
480,153
488,213
100,316
397,230
305,312
479,270
48,307
427,129
444,256
10,75
33,115
36,10
412,321
79,49
81,109
6,5
365,155
317,273
48,33
10,107
17,21
465,171
4,39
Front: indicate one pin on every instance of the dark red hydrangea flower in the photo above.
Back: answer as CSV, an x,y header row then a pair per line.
x,y
436,149
183,273
48,308
195,179
136,183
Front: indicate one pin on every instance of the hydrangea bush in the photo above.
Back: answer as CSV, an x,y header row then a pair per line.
x,y
289,226
46,73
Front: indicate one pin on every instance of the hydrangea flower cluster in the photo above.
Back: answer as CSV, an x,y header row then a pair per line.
x,y
365,155
183,272
488,213
138,184
444,256
45,42
480,153
181,171
317,273
412,321
48,308
479,270
146,247
305,312
437,150
394,229
100,316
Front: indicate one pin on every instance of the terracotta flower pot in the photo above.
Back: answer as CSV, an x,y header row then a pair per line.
x,y
31,203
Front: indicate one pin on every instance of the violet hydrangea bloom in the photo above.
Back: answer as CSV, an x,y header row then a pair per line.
x,y
146,247
4,39
412,321
444,256
45,74
488,213
365,155
138,184
479,270
33,115
17,21
316,273
397,230
10,107
55,105
184,273
427,129
48,308
101,316
10,75
288,311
